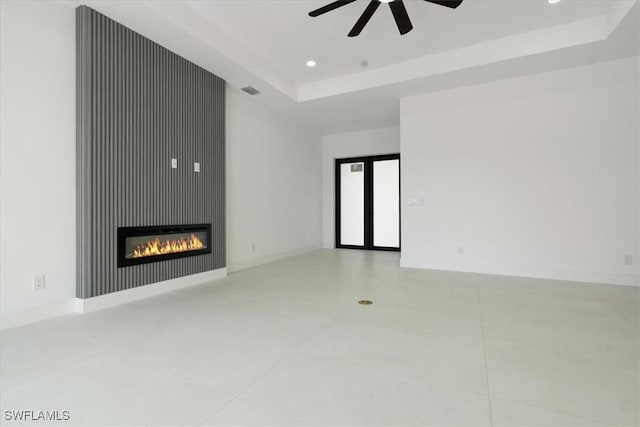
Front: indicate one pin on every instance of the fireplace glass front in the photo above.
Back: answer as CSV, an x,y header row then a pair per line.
x,y
139,245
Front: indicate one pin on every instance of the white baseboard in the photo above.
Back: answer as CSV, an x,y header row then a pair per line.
x,y
568,275
26,316
241,265
129,295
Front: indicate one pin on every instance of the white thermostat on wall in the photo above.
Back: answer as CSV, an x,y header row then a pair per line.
x,y
196,167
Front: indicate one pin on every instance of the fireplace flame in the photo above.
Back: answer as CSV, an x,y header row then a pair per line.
x,y
158,247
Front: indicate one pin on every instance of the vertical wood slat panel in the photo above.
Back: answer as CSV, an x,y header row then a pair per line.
x,y
138,105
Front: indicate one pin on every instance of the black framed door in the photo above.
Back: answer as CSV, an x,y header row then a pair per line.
x,y
367,202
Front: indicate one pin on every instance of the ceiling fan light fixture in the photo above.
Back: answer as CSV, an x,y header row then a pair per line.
x,y
311,63
553,1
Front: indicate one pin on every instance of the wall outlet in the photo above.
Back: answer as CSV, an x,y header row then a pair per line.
x,y
174,163
196,167
628,259
460,250
38,283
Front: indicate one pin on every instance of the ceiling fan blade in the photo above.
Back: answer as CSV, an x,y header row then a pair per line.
x,y
400,15
364,18
448,3
330,7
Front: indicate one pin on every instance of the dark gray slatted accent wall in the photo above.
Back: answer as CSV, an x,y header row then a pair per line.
x,y
139,105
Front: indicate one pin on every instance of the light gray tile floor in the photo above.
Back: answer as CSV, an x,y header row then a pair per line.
x,y
287,344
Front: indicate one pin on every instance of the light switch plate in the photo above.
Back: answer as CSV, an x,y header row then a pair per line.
x,y
174,163
416,202
196,167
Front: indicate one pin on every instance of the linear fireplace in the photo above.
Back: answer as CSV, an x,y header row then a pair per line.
x,y
140,245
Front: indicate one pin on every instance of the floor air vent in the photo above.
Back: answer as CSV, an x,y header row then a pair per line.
x,y
251,90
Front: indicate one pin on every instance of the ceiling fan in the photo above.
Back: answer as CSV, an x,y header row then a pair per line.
x,y
397,9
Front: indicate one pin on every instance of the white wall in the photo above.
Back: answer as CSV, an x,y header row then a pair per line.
x,y
343,145
273,184
534,176
37,152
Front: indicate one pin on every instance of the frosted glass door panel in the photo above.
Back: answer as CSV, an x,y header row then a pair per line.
x,y
352,204
386,199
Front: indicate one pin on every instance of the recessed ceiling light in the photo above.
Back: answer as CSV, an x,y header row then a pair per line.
x,y
553,1
311,63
